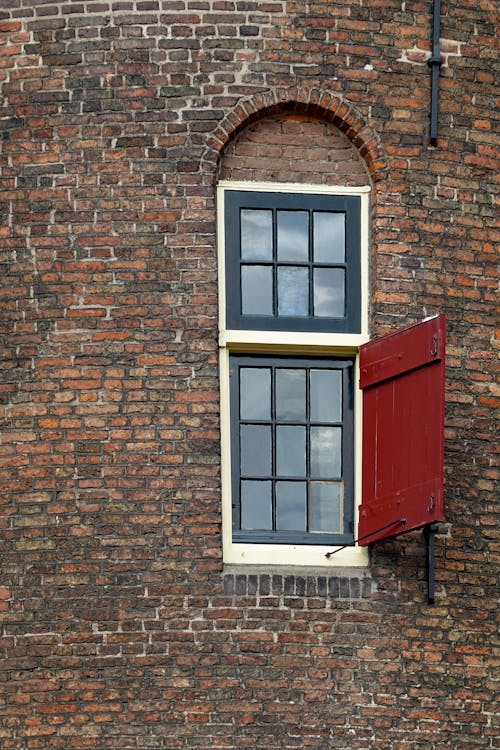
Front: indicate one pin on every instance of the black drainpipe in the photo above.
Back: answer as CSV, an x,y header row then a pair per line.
x,y
434,63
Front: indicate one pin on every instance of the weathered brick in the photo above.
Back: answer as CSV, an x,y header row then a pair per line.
x,y
120,627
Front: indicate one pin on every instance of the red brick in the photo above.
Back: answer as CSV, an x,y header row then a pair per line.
x,y
116,611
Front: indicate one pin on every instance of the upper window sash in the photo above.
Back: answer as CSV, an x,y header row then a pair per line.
x,y
274,267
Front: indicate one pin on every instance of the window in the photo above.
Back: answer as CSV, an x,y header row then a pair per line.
x,y
293,262
292,317
292,449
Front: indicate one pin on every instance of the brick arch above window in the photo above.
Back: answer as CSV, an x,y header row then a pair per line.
x,y
317,104
293,148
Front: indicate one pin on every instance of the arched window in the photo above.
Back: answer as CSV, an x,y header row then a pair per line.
x,y
293,202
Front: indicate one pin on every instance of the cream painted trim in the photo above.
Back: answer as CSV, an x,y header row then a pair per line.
x,y
292,187
232,341
221,258
291,343
225,429
297,556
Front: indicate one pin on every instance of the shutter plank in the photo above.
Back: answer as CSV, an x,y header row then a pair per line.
x,y
402,377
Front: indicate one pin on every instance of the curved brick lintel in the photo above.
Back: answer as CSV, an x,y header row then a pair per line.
x,y
315,103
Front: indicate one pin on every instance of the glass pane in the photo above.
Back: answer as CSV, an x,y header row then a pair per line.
x,y
291,451
290,394
256,234
293,291
255,449
293,235
256,505
256,290
326,506
326,395
291,506
255,393
326,456
329,293
329,237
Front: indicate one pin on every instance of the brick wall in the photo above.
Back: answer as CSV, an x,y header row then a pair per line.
x,y
120,626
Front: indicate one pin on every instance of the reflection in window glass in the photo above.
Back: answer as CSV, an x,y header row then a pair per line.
x,y
293,291
293,235
255,446
257,290
255,393
325,506
326,452
290,394
256,234
290,451
329,237
329,294
256,505
326,396
291,506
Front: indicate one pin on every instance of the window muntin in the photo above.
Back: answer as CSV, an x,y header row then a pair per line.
x,y
292,449
292,261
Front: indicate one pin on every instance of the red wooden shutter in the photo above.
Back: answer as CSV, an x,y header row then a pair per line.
x,y
402,377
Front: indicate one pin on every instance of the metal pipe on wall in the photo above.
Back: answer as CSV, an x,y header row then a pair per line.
x,y
435,64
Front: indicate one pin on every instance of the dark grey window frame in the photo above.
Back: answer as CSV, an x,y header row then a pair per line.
x,y
235,201
346,366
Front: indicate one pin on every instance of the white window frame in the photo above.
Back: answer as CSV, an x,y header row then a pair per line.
x,y
279,343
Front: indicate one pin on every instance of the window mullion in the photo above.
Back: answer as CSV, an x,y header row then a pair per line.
x,y
273,445
275,261
311,263
308,445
